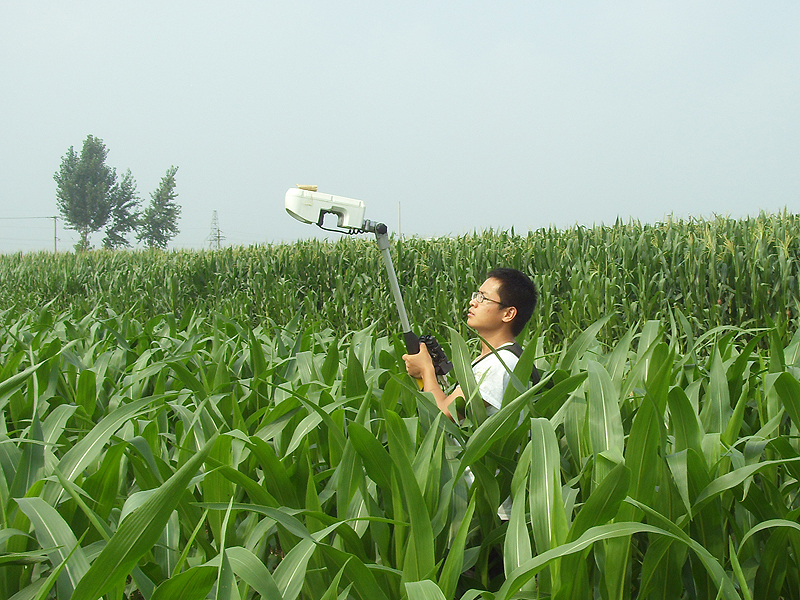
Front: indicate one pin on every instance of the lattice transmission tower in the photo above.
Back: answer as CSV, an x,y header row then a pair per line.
x,y
215,237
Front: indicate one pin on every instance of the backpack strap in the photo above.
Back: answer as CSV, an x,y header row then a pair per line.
x,y
516,350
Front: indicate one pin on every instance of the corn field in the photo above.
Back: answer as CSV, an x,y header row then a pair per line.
x,y
209,425
714,272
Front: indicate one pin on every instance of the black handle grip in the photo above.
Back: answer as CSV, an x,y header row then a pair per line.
x,y
412,342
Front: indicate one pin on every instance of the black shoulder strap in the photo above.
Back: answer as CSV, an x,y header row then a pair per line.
x,y
516,350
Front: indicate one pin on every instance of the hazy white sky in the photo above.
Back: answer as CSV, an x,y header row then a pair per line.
x,y
466,115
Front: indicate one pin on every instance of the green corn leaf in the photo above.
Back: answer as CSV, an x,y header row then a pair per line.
x,y
734,478
43,591
661,569
139,532
86,394
355,384
53,531
462,368
190,380
25,558
734,426
218,488
364,581
715,571
678,465
317,415
436,471
347,479
685,425
551,400
737,570
226,582
256,492
144,583
736,370
771,572
454,563
258,362
103,485
717,403
423,590
12,384
253,572
603,504
9,533
31,464
90,447
527,571
548,520
788,389
333,588
276,479
605,422
283,516
291,572
373,454
182,558
193,584
494,428
618,359
54,424
517,545
579,347
777,360
330,368
419,560
520,377
767,525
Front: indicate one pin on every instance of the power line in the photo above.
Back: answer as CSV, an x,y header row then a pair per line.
x,y
24,218
55,226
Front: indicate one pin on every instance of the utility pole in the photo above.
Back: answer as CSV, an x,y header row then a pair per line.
x,y
55,235
215,237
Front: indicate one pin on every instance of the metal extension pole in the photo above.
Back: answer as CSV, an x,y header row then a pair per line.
x,y
411,339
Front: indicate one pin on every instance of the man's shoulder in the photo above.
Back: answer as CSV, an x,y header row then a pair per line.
x,y
505,353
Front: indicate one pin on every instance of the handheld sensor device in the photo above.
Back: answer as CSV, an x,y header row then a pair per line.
x,y
307,205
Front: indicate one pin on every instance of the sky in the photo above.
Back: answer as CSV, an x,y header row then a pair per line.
x,y
443,117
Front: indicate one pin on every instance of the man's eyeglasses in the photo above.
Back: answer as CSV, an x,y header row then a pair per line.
x,y
479,297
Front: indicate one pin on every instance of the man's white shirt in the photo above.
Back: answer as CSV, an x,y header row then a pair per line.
x,y
493,377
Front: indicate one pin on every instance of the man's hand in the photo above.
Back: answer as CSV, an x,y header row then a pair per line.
x,y
418,365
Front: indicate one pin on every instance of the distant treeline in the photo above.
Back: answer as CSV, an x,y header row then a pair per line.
x,y
697,274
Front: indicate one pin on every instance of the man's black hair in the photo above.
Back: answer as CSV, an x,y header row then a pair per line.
x,y
517,290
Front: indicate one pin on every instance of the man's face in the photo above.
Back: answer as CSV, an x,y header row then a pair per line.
x,y
489,315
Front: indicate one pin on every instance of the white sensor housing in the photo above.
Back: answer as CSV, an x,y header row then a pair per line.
x,y
311,207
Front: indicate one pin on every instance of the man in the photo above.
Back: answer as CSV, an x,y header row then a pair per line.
x,y
498,312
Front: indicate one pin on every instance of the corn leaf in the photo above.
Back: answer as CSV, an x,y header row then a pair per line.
x,y
138,533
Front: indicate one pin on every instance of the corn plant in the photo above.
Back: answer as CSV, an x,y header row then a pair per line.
x,y
715,272
197,457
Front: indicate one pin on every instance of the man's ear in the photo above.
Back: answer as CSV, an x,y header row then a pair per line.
x,y
511,312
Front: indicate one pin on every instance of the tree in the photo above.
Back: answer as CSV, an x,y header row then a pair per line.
x,y
125,214
90,198
159,222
